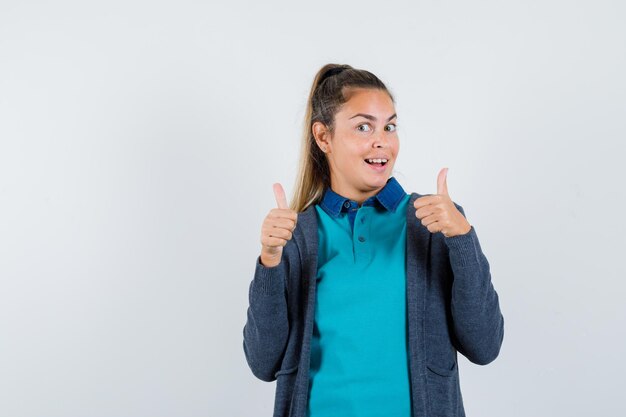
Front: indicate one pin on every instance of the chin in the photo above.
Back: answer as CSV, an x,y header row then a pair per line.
x,y
377,182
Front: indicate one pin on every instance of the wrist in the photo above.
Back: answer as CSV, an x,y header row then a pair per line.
x,y
467,229
269,261
462,233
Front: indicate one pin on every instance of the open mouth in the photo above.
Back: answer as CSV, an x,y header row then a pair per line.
x,y
377,162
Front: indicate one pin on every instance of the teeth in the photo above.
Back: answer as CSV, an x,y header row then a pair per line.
x,y
376,160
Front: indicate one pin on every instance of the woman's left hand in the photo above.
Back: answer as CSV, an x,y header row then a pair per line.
x,y
438,213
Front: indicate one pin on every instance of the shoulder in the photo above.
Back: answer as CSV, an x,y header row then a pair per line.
x,y
304,238
307,220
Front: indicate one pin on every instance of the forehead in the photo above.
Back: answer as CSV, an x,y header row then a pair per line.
x,y
366,100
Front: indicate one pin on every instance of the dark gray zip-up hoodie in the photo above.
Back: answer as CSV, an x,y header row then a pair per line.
x,y
452,307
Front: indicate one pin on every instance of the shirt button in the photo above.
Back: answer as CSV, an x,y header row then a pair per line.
x,y
346,204
361,239
362,219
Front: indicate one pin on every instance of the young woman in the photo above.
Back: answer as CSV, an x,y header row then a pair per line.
x,y
363,294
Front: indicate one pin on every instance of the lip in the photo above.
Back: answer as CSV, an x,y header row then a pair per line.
x,y
375,168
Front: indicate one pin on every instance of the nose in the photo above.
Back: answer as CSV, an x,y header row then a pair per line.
x,y
380,141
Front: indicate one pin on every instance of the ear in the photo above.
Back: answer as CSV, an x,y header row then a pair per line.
x,y
321,135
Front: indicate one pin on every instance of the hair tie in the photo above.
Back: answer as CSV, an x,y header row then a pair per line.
x,y
334,71
331,72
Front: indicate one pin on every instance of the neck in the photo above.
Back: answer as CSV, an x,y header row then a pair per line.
x,y
353,193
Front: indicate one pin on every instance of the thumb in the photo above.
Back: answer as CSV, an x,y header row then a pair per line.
x,y
442,185
279,193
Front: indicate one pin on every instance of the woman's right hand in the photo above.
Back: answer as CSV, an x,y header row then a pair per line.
x,y
277,229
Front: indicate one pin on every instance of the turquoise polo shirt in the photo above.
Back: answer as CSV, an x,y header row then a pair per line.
x,y
359,356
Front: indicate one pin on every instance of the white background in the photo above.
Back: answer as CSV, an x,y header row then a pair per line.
x,y
139,141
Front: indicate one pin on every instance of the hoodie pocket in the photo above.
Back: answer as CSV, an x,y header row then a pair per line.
x,y
285,387
286,371
443,393
443,371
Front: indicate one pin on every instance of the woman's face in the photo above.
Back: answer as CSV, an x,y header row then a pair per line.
x,y
365,127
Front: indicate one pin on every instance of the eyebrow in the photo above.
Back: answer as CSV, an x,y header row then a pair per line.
x,y
370,117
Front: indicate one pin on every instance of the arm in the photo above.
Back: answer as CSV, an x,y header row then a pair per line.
x,y
478,321
267,328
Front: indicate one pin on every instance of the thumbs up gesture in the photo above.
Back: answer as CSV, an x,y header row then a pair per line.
x,y
277,229
438,213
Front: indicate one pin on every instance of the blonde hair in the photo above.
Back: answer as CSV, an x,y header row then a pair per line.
x,y
329,91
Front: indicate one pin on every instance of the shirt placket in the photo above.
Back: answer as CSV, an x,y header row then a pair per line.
x,y
361,236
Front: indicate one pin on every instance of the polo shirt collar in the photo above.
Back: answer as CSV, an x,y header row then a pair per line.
x,y
389,197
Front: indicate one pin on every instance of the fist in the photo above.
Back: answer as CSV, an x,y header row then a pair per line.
x,y
438,213
277,229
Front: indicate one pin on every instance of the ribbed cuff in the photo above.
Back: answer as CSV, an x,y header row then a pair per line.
x,y
463,248
268,280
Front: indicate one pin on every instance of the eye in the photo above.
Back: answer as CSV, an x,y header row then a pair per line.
x,y
395,127
364,124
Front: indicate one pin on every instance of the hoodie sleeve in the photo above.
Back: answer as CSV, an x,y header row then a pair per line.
x,y
266,329
478,321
